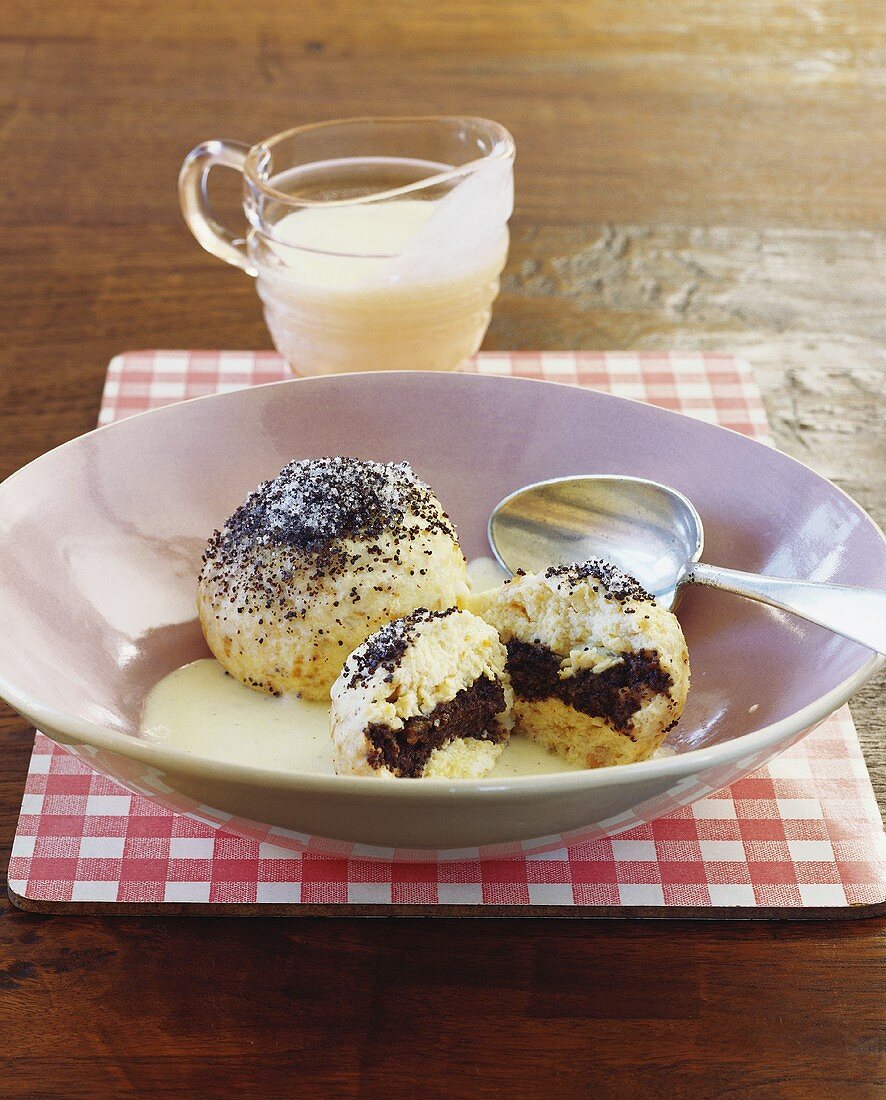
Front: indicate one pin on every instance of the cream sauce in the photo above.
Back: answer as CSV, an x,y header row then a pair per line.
x,y
485,573
201,709
347,248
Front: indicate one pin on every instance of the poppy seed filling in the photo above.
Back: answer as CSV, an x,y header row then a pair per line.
x,y
616,694
470,715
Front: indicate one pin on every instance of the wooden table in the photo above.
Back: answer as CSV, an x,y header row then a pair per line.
x,y
693,174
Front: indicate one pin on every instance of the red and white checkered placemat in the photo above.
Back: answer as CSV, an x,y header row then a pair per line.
x,y
801,837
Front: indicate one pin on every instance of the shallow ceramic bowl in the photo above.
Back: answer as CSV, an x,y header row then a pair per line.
x,y
100,543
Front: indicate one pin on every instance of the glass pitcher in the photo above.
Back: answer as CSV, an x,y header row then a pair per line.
x,y
376,243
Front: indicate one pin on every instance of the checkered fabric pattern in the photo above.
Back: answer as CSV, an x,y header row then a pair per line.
x,y
715,388
803,834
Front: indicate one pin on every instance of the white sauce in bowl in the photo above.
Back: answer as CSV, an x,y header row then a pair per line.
x,y
201,709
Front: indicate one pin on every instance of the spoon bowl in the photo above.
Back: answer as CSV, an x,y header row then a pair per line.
x,y
654,533
647,529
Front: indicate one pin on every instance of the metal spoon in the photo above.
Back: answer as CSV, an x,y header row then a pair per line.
x,y
653,532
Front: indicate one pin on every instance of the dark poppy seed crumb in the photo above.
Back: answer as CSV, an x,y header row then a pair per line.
x,y
616,693
471,715
313,502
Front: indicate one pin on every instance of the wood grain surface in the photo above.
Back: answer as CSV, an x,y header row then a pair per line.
x,y
696,174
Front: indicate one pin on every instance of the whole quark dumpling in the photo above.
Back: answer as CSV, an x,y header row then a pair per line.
x,y
314,561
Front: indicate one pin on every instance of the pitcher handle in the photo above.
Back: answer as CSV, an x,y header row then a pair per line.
x,y
194,199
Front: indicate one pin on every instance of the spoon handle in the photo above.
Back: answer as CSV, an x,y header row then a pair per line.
x,y
856,613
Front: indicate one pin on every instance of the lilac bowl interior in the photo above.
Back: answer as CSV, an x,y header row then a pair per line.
x,y
100,540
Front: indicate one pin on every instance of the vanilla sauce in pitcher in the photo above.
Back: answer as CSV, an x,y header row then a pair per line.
x,y
377,285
